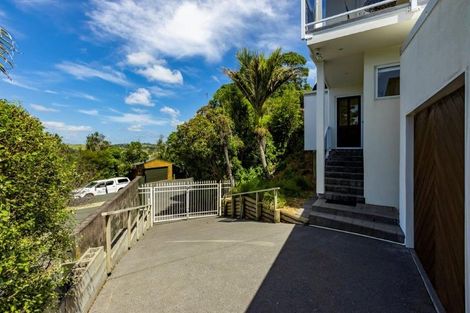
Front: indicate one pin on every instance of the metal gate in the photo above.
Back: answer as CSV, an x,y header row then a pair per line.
x,y
171,201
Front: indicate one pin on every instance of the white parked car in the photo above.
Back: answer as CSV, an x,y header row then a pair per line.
x,y
101,187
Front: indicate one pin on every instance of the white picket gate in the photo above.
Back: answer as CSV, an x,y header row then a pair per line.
x,y
171,201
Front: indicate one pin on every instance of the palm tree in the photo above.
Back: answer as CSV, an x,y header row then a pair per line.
x,y
258,79
7,50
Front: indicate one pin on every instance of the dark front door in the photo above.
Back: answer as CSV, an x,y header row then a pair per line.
x,y
349,122
439,183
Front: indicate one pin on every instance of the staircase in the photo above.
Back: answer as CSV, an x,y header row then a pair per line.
x,y
344,176
343,206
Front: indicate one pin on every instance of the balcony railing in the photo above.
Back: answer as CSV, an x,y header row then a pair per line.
x,y
320,14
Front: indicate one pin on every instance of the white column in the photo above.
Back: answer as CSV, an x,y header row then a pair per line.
x,y
320,116
318,10
467,189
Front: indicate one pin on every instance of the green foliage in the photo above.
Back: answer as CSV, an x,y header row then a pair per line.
x,y
35,227
284,118
258,79
132,154
96,142
161,150
197,146
101,160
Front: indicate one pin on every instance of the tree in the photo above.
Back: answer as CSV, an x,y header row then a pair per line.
x,y
7,50
285,118
96,142
161,150
204,147
132,154
223,126
258,79
194,149
238,109
35,227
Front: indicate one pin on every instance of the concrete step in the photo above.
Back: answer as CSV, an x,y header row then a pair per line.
x,y
343,198
344,182
347,152
344,169
340,162
381,214
346,158
345,175
358,191
359,226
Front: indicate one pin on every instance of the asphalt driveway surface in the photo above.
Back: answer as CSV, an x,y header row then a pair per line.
x,y
223,265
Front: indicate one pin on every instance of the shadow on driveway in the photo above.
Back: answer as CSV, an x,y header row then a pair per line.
x,y
320,270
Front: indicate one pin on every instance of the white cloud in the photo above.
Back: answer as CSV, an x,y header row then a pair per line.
x,y
92,112
61,126
160,73
206,28
17,83
77,94
135,128
140,59
312,73
41,108
140,97
85,71
173,113
51,91
140,111
170,111
137,119
160,92
34,2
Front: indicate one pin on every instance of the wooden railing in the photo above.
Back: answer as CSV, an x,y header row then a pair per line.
x,y
137,225
256,204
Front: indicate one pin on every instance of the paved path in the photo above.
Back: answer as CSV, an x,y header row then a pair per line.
x,y
220,265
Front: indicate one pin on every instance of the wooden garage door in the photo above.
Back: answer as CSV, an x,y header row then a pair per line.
x,y
439,197
156,174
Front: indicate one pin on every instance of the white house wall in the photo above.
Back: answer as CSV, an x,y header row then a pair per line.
x,y
437,53
381,134
310,111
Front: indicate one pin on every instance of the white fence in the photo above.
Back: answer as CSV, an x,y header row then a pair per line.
x,y
179,200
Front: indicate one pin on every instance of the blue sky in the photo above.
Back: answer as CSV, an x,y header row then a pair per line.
x,y
133,70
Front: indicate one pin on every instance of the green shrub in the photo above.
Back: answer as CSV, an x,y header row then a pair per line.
x,y
35,183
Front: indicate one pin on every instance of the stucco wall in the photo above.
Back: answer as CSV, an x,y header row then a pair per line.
x,y
309,121
381,134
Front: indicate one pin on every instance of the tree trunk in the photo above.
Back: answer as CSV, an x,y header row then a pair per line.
x,y
229,166
262,154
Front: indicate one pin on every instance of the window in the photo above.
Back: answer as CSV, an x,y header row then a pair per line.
x,y
388,81
110,183
123,180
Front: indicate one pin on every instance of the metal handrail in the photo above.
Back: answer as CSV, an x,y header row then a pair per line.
x,y
327,142
255,191
370,6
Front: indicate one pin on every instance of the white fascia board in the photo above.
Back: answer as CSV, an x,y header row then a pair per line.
x,y
362,25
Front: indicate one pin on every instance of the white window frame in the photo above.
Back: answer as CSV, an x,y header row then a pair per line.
x,y
376,87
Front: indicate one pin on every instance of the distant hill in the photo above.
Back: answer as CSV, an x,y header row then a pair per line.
x,y
149,147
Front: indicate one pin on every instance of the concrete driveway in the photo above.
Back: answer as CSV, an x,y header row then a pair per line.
x,y
222,265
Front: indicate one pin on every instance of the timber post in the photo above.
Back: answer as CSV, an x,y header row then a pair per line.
x,y
108,219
